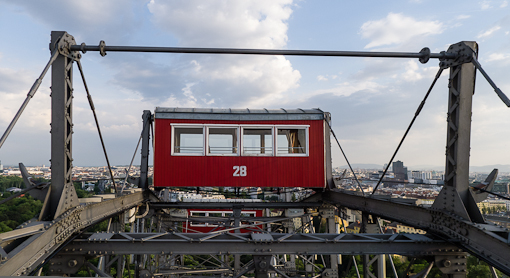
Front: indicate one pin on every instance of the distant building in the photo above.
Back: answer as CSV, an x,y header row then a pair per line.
x,y
501,187
401,228
399,170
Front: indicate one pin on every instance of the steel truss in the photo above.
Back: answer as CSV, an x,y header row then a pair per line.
x,y
454,223
258,244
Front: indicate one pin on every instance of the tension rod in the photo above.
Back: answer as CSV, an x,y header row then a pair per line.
x,y
498,91
424,55
30,95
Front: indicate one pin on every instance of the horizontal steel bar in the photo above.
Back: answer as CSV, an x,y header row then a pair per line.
x,y
23,232
195,50
196,244
231,205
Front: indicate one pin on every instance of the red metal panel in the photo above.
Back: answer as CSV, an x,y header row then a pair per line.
x,y
217,171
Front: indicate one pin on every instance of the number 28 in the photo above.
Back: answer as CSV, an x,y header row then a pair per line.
x,y
239,171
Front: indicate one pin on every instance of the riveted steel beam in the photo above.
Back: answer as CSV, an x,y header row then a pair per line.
x,y
258,244
487,242
39,247
62,194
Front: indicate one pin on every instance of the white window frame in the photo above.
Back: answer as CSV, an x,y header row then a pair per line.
x,y
240,144
199,224
307,147
258,127
172,139
207,127
207,214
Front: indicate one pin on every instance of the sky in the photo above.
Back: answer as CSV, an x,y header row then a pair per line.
x,y
372,100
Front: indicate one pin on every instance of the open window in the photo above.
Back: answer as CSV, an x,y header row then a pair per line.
x,y
292,141
188,140
257,141
222,141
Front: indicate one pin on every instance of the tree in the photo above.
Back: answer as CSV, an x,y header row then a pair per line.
x,y
17,211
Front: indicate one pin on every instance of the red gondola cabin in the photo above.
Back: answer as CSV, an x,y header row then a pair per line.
x,y
199,147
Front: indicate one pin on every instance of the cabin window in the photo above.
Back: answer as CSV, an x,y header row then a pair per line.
x,y
257,141
196,223
291,141
235,140
189,140
215,214
222,141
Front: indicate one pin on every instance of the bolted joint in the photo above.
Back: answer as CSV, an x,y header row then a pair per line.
x,y
102,51
463,54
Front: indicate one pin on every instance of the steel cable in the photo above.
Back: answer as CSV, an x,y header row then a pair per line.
x,y
89,97
30,95
420,107
131,164
343,153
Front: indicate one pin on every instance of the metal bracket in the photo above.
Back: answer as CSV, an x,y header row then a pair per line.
x,y
327,211
65,264
329,273
262,266
64,47
102,44
451,264
463,53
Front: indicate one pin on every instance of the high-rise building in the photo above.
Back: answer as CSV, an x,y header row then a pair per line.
x,y
399,170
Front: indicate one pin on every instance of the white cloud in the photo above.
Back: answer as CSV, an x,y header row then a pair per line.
x,y
484,5
397,29
412,71
14,86
498,57
227,80
462,16
242,24
109,20
489,32
504,4
322,78
349,88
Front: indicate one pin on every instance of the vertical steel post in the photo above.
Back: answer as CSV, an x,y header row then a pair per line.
x,y
236,212
62,195
455,195
144,165
461,89
328,212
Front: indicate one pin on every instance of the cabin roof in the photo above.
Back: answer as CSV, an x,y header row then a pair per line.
x,y
240,114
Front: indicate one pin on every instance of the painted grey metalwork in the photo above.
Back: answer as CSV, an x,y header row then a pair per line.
x,y
424,55
258,243
240,114
144,165
455,196
62,194
42,242
486,241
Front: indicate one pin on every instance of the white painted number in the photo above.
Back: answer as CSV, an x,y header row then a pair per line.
x,y
240,171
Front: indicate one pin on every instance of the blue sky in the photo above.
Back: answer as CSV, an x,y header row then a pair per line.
x,y
371,100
